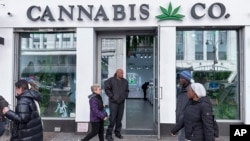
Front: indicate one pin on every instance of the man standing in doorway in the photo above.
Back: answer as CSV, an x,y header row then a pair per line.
x,y
182,100
117,90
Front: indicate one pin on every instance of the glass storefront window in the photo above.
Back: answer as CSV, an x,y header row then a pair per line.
x,y
199,45
216,67
49,60
179,45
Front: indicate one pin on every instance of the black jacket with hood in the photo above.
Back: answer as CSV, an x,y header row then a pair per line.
x,y
197,120
27,123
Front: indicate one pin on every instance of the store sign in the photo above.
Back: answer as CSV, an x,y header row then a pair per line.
x,y
220,7
38,13
122,12
170,13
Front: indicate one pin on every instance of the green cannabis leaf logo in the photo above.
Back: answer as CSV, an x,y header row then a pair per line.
x,y
168,14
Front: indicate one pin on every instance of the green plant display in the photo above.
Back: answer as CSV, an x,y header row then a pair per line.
x,y
226,111
225,104
132,42
170,14
45,100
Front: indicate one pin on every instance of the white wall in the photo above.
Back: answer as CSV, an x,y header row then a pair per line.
x,y
84,72
18,9
167,74
6,65
246,95
86,42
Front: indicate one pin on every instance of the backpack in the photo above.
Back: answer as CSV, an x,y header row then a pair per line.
x,y
215,125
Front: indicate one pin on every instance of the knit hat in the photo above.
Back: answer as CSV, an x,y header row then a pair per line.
x,y
199,89
186,74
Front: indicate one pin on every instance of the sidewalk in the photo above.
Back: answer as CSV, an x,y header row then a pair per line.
x,y
52,136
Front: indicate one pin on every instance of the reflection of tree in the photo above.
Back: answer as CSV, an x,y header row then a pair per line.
x,y
29,70
224,98
104,68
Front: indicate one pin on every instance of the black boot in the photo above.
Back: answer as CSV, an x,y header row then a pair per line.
x,y
109,138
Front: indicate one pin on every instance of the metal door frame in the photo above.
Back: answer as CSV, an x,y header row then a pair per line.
x,y
98,57
157,90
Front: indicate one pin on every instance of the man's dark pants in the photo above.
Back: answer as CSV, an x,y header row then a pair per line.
x,y
115,118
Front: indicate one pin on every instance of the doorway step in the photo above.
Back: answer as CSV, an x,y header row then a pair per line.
x,y
148,132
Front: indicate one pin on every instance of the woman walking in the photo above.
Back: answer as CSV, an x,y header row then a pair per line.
x,y
198,116
27,123
97,114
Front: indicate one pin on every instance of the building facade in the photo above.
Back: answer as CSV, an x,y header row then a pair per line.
x,y
66,47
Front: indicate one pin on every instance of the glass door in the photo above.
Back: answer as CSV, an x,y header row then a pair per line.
x,y
111,56
156,89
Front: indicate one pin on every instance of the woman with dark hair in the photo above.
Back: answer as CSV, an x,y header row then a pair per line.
x,y
27,123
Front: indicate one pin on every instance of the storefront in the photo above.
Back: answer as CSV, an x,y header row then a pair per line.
x,y
66,47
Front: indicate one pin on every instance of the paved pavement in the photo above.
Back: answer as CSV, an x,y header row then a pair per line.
x,y
53,136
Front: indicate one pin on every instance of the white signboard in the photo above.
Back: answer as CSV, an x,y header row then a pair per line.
x,y
82,127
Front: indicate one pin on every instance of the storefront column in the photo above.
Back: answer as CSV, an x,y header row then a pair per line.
x,y
167,74
84,71
6,64
246,95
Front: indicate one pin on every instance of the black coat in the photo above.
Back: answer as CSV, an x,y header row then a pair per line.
x,y
197,120
116,89
182,101
27,123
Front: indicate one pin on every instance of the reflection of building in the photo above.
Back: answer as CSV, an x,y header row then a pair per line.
x,y
196,49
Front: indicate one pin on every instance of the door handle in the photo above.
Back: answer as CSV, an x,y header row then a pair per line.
x,y
161,96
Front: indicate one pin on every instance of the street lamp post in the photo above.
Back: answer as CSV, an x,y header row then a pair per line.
x,y
214,44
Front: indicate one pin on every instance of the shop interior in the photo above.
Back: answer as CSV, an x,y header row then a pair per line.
x,y
139,70
139,62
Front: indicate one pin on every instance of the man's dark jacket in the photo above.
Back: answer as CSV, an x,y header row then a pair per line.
x,y
116,89
27,123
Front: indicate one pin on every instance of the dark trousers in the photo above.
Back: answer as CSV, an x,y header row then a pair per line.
x,y
96,128
115,118
2,128
145,93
